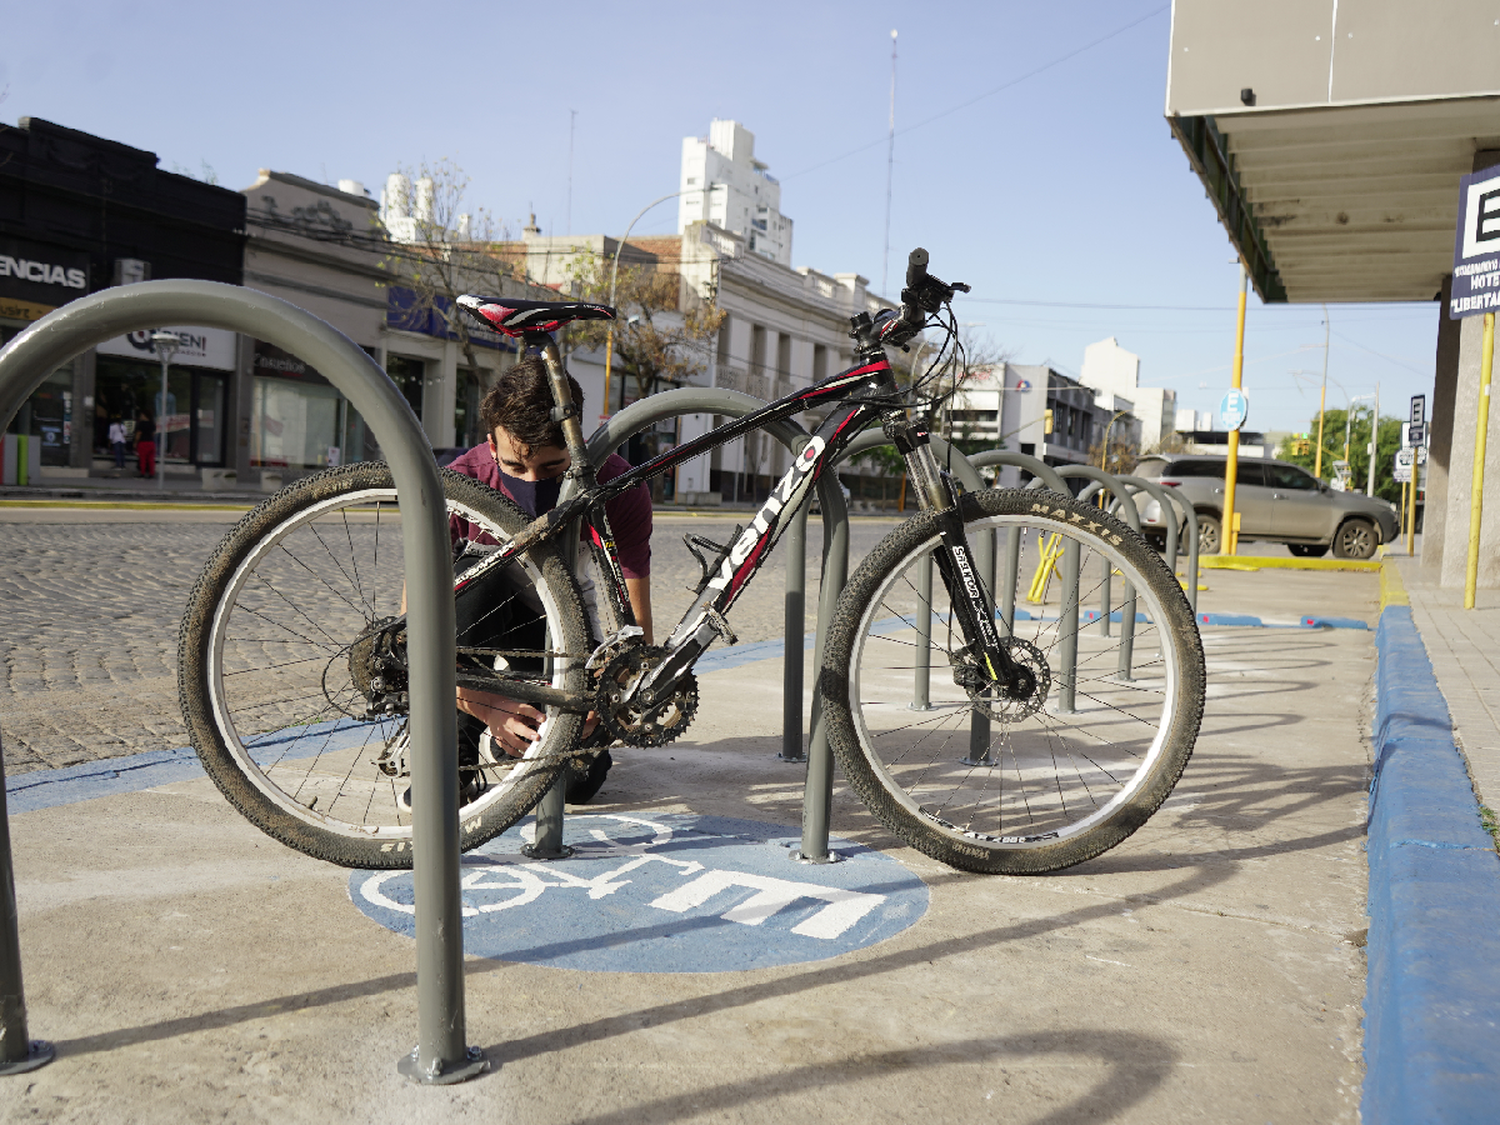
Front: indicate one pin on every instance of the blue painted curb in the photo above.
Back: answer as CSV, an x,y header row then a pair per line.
x,y
1432,998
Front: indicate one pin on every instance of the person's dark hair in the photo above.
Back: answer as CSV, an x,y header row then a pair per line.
x,y
521,402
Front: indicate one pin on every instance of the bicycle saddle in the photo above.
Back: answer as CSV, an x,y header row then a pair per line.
x,y
516,317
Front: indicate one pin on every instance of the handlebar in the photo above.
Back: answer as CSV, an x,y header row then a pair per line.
x,y
923,294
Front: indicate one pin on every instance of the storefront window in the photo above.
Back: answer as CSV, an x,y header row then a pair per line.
x,y
48,413
409,375
468,430
208,418
188,426
296,425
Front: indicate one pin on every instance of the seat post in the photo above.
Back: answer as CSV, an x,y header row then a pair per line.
x,y
569,411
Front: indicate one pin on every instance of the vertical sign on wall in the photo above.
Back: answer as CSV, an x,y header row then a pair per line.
x,y
1476,251
1476,291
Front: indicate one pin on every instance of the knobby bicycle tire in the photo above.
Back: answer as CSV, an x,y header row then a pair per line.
x,y
270,681
1015,787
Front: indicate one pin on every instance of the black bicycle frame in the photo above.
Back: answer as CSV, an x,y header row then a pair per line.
x,y
872,394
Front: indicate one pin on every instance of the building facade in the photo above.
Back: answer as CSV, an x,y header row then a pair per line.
x,y
723,184
78,214
1113,371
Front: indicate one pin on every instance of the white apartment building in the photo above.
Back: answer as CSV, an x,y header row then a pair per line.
x,y
723,184
1115,374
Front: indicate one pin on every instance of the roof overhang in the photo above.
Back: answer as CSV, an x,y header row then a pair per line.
x,y
1352,202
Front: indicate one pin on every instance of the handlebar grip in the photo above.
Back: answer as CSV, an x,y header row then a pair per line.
x,y
916,267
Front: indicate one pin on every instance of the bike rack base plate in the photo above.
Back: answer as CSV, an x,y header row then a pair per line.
x,y
474,1064
39,1055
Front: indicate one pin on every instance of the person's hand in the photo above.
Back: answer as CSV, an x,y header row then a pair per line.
x,y
512,724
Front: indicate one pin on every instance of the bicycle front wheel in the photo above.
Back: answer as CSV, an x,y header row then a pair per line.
x,y
1015,786
279,652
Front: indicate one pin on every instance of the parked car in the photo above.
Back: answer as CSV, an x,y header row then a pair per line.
x,y
1277,502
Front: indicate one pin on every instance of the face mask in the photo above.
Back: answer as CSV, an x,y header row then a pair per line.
x,y
534,497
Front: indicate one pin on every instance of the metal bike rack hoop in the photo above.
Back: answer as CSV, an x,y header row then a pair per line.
x,y
1045,474
818,792
1191,522
441,1056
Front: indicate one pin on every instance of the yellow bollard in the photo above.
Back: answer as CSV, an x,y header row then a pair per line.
x,y
1411,511
1045,568
1481,435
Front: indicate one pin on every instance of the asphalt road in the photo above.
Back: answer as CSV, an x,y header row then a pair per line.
x,y
92,600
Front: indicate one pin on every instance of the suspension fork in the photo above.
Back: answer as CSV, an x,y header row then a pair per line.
x,y
971,600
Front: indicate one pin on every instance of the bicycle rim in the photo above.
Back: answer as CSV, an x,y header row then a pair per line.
x,y
1021,786
287,711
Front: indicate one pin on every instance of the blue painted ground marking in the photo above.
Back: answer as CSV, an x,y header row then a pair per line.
x,y
45,789
1432,997
664,894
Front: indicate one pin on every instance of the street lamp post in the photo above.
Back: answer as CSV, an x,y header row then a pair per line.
x,y
166,345
614,271
1104,456
1322,399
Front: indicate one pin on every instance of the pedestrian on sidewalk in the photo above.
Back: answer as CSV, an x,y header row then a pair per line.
x,y
117,442
145,445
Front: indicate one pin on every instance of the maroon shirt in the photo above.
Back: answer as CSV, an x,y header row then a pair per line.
x,y
629,513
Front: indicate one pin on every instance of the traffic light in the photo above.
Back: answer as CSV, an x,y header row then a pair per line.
x,y
1046,421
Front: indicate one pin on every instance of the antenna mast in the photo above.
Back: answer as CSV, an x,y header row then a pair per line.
x,y
890,165
572,117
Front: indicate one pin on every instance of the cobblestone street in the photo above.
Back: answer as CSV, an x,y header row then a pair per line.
x,y
92,601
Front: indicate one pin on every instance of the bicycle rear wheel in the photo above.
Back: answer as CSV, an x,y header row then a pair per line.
x,y
1015,786
274,669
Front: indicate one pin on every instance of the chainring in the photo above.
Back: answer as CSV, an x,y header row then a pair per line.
x,y
1003,708
629,721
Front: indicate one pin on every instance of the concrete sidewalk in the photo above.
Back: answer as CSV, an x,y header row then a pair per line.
x,y
1464,646
189,968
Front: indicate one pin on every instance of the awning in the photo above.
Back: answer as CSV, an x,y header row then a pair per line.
x,y
1342,203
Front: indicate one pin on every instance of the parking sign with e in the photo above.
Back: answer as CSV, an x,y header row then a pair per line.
x,y
1476,250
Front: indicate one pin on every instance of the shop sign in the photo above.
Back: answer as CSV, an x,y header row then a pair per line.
x,y
273,361
11,309
36,272
201,347
1476,248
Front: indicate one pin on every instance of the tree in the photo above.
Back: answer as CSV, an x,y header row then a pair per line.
x,y
440,251
654,340
1388,441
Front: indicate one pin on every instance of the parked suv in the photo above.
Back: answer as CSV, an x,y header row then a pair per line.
x,y
1276,501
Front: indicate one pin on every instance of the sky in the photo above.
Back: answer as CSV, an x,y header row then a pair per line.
x,y
1031,155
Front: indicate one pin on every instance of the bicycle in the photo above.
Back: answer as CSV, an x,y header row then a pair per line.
x,y
1042,743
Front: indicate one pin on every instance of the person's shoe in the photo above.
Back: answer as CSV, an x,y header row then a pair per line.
x,y
471,783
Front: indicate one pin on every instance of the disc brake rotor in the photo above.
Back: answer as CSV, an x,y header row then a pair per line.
x,y
994,702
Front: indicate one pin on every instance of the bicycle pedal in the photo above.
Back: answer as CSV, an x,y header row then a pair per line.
x,y
720,625
720,551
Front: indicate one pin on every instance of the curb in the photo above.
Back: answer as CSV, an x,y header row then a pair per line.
x,y
1264,562
1432,999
